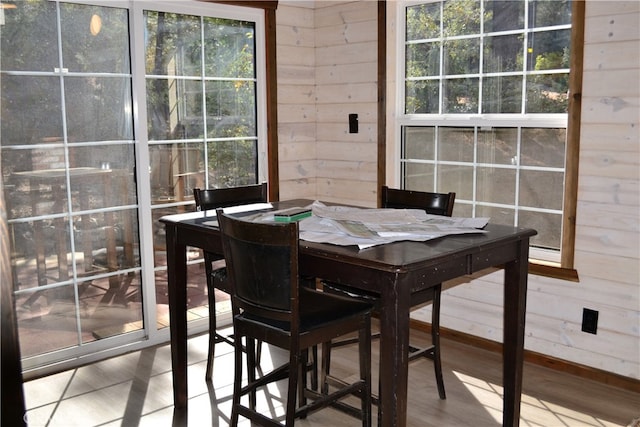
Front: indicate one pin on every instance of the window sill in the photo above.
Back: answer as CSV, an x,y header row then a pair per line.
x,y
546,269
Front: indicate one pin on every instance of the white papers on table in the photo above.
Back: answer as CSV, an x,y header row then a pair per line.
x,y
366,227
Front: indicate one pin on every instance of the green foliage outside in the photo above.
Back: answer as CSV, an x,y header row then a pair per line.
x,y
446,42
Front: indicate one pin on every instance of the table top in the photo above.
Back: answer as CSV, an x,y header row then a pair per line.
x,y
390,257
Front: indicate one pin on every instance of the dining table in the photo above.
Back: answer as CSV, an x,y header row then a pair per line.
x,y
393,272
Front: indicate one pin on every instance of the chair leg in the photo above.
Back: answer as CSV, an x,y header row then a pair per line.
x,y
237,382
251,368
294,364
212,331
314,368
435,337
326,366
302,369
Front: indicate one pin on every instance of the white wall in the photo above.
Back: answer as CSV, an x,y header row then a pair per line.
x,y
327,69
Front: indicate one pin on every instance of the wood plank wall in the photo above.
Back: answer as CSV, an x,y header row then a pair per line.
x,y
327,58
295,34
327,69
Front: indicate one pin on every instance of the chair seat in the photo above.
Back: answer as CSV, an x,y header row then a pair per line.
x,y
318,310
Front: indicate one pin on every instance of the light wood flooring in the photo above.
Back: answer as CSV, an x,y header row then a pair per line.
x,y
136,390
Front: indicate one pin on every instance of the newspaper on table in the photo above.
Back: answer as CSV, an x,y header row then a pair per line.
x,y
366,227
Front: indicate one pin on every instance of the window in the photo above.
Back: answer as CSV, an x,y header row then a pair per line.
x,y
484,93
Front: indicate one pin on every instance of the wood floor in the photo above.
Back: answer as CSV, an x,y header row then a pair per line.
x,y
136,390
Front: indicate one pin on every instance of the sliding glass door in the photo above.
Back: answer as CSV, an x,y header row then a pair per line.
x,y
112,113
68,172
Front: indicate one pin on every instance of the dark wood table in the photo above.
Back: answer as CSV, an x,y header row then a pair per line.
x,y
394,271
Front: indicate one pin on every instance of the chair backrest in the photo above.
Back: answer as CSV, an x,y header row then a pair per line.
x,y
262,266
432,203
213,198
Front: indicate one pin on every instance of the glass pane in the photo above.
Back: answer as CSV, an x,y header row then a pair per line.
x,y
176,169
28,192
456,144
496,185
106,172
48,319
46,190
456,178
547,225
549,50
502,95
423,60
544,13
95,39
106,242
116,306
98,109
419,143
541,189
419,176
232,163
497,215
423,21
421,97
503,53
461,56
30,116
548,93
33,24
231,109
498,146
174,109
543,147
503,15
229,48
461,17
173,44
461,210
95,188
460,96
39,251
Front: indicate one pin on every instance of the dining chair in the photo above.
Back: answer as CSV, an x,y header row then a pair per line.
x,y
215,272
434,204
271,305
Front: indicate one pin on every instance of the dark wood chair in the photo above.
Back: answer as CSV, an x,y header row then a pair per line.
x,y
435,204
210,199
271,305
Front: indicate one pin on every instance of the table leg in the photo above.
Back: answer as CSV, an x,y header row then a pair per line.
x,y
515,297
177,284
394,360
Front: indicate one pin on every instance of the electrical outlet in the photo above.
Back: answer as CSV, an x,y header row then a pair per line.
x,y
589,321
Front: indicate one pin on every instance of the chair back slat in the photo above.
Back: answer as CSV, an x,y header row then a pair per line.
x,y
213,198
262,266
432,203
